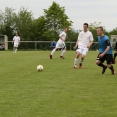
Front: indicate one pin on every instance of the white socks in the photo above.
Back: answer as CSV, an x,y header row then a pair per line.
x,y
63,52
15,50
75,62
53,51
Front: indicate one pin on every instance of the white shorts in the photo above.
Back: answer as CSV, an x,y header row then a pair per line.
x,y
82,50
15,44
60,44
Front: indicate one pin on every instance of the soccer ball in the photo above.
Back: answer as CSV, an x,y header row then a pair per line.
x,y
40,68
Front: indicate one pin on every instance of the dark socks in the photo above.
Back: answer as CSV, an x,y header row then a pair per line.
x,y
81,60
111,68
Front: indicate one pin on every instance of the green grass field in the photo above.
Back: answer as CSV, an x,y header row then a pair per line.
x,y
58,91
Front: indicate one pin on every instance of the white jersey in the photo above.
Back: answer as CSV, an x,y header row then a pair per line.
x,y
16,39
63,35
85,38
61,43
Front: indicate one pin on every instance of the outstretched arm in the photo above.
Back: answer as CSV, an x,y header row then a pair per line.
x,y
76,45
19,42
91,42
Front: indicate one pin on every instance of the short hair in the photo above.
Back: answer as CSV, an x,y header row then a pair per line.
x,y
101,28
64,27
86,24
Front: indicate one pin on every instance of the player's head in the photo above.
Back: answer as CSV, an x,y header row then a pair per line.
x,y
16,34
85,27
65,29
100,31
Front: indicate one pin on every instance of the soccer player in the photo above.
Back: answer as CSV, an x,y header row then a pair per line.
x,y
85,40
105,50
60,44
16,41
115,54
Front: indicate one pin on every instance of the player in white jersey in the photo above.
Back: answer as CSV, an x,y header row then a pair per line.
x,y
16,42
60,44
85,40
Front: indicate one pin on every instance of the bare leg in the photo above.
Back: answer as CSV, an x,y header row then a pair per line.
x,y
53,51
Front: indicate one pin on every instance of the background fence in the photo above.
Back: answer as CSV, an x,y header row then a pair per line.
x,y
44,45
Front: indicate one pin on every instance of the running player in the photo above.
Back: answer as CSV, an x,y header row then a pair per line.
x,y
85,40
16,41
105,50
60,44
115,54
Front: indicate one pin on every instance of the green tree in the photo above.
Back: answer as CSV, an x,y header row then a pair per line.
x,y
113,32
24,23
39,28
72,35
93,28
7,22
56,20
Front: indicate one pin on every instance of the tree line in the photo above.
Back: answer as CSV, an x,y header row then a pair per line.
x,y
45,28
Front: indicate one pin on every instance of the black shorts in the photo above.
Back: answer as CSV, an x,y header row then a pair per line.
x,y
108,57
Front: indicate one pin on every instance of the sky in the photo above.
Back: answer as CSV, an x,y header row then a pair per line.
x,y
78,11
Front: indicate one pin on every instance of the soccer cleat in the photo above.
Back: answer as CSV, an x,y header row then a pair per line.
x,y
50,56
80,65
62,57
104,69
113,72
74,68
